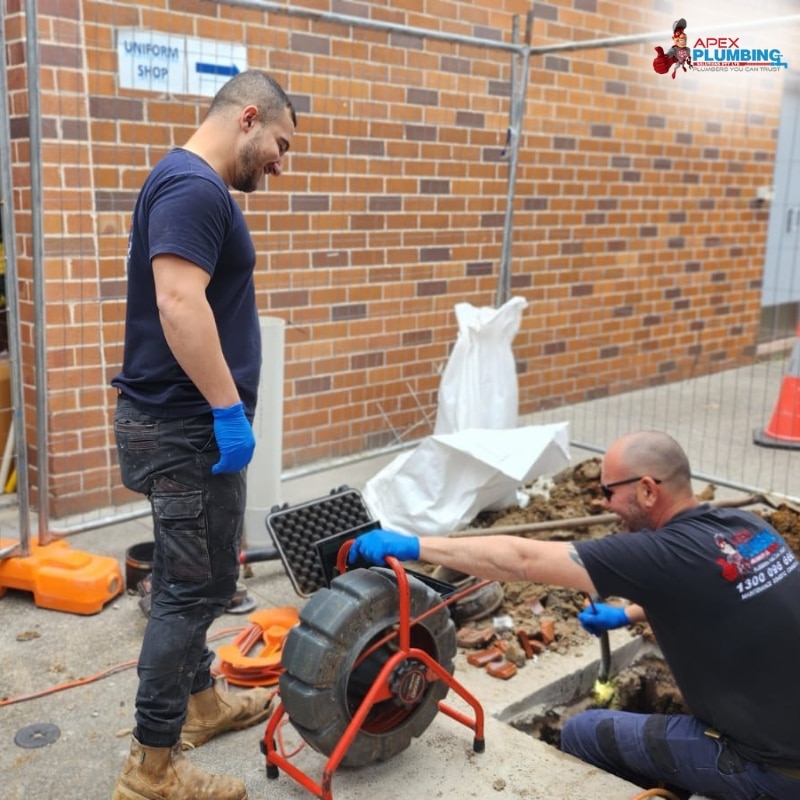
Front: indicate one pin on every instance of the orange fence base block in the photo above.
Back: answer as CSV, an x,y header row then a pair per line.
x,y
62,579
784,426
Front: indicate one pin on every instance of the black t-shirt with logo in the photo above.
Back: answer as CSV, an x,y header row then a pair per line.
x,y
721,590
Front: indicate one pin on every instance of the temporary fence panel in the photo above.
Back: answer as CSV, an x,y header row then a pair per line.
x,y
629,216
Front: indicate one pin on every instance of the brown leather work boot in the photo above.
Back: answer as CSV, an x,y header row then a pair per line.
x,y
214,711
164,773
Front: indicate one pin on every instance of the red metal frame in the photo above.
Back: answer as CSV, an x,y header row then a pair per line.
x,y
380,690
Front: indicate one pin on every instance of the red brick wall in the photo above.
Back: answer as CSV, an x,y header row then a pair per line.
x,y
637,240
644,247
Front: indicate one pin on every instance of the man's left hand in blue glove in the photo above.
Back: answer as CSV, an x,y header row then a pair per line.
x,y
235,439
602,617
376,545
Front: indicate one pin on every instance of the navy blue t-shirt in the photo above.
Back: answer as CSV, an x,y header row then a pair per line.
x,y
721,590
185,209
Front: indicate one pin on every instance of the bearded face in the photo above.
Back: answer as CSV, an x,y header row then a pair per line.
x,y
249,166
635,517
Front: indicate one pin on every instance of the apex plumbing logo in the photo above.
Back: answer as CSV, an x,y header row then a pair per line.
x,y
726,54
715,54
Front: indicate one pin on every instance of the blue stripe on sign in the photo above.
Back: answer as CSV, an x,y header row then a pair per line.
x,y
228,70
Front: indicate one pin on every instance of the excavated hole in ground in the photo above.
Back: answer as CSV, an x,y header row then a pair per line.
x,y
645,686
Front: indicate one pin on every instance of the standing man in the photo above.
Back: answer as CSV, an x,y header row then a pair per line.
x,y
727,620
183,423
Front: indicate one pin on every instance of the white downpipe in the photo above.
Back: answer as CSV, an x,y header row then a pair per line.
x,y
264,471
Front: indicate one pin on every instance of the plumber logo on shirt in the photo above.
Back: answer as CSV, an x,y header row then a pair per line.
x,y
753,562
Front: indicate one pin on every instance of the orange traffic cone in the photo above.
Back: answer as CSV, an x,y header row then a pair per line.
x,y
784,426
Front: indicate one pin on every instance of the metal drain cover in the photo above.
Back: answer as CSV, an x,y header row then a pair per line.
x,y
37,735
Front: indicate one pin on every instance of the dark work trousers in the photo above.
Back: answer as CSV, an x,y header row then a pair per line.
x,y
673,751
197,526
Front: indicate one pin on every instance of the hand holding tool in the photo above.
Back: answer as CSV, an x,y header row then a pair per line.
x,y
601,617
376,545
603,689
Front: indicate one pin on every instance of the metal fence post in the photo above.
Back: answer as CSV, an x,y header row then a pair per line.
x,y
12,304
519,86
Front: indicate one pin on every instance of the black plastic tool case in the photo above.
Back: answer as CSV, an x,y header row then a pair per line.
x,y
297,530
308,536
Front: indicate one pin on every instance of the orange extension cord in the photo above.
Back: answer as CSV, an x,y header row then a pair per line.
x,y
7,701
664,793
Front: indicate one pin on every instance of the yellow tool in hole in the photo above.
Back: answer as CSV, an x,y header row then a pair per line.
x,y
603,691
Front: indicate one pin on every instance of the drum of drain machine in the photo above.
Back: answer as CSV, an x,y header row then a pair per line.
x,y
138,564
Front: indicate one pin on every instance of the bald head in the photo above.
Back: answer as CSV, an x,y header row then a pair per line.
x,y
654,454
649,479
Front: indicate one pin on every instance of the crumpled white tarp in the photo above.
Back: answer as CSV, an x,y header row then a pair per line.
x,y
443,483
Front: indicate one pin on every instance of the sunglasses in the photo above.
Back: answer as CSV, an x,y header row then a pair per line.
x,y
608,488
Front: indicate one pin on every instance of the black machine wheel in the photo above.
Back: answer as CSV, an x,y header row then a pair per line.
x,y
322,686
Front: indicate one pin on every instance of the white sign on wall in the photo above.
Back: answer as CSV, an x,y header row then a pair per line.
x,y
170,64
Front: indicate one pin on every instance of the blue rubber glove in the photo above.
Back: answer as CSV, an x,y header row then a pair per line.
x,y
603,617
235,439
376,545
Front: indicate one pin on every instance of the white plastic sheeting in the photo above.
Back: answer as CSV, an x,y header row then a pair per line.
x,y
443,483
